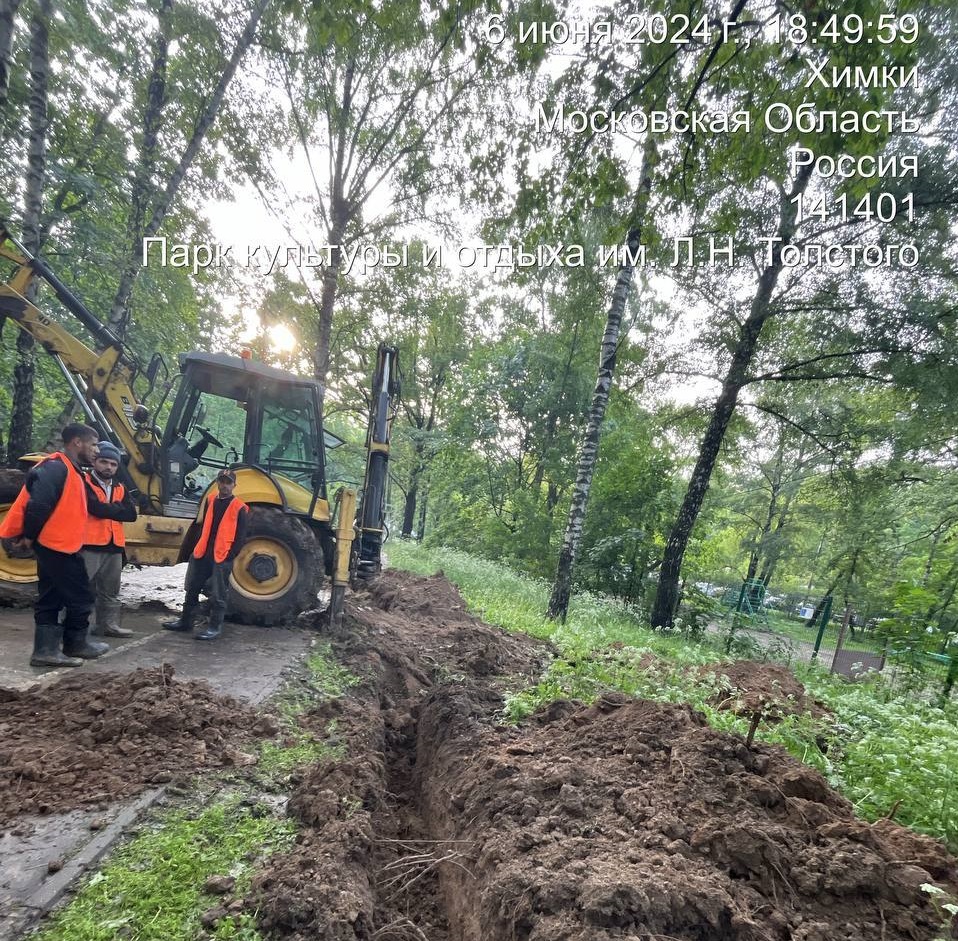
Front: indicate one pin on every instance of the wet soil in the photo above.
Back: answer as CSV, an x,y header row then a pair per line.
x,y
93,738
769,689
624,819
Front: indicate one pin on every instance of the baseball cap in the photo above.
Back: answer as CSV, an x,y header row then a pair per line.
x,y
226,474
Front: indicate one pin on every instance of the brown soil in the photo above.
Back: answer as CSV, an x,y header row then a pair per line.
x,y
625,819
92,738
747,687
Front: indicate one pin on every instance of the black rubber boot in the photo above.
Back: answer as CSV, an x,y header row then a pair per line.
x,y
214,628
184,623
46,648
77,644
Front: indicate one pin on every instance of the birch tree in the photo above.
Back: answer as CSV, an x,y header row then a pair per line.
x,y
21,419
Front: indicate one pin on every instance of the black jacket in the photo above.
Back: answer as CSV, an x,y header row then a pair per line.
x,y
45,484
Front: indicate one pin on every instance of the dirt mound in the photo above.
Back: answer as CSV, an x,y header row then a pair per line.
x,y
632,819
625,819
747,687
410,594
94,737
429,616
366,865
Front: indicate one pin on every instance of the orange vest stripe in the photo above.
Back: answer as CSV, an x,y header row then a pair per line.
x,y
63,531
226,533
99,532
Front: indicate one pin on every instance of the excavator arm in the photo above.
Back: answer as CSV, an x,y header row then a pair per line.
x,y
101,381
372,507
360,534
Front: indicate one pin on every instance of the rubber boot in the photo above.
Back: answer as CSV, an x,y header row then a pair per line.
x,y
110,631
184,622
77,644
46,648
214,628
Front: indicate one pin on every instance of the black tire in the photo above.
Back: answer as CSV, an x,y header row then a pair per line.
x,y
18,572
278,572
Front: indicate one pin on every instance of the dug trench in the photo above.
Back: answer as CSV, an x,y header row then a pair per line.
x,y
621,819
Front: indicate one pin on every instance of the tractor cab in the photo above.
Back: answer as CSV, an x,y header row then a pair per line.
x,y
232,411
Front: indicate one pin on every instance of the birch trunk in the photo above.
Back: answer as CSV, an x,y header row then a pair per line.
x,y
667,594
589,449
21,414
8,10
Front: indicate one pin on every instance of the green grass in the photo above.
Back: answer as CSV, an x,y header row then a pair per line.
x,y
152,889
885,751
327,679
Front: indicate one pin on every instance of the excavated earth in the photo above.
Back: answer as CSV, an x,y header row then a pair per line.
x,y
94,738
625,819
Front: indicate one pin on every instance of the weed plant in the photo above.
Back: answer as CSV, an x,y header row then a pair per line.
x,y
884,752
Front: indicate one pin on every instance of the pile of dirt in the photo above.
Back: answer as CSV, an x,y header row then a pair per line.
x,y
625,819
365,864
633,819
96,737
746,687
428,616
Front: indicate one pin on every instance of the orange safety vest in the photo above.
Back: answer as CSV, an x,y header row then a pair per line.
x,y
63,531
99,532
224,535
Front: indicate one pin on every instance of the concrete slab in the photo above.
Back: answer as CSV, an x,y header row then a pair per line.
x,y
246,662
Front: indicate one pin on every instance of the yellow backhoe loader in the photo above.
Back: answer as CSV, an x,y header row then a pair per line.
x,y
225,411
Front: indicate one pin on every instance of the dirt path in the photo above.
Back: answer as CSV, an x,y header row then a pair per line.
x,y
626,819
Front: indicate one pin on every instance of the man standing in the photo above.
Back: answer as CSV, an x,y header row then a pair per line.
x,y
49,516
222,537
104,541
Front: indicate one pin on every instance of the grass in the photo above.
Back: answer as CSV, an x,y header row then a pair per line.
x,y
326,679
885,751
152,889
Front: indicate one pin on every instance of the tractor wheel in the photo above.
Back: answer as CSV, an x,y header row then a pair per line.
x,y
279,570
18,575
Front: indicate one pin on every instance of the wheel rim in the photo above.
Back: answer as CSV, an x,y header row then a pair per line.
x,y
17,570
264,569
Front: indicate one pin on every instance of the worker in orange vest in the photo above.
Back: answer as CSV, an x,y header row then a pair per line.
x,y
49,517
221,538
103,544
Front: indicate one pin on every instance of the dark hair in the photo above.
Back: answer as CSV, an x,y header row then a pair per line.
x,y
71,432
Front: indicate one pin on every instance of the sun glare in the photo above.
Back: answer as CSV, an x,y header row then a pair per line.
x,y
282,339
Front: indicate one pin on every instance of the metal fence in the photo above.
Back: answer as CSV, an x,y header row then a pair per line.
x,y
848,644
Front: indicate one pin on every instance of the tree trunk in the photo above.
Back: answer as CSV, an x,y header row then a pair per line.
x,y
120,310
328,297
409,506
666,597
21,417
141,189
421,532
8,10
821,601
589,449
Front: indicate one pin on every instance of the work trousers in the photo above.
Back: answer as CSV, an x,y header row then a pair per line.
x,y
62,582
201,571
104,570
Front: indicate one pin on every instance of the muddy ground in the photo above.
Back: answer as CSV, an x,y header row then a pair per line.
x,y
94,738
624,819
437,821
